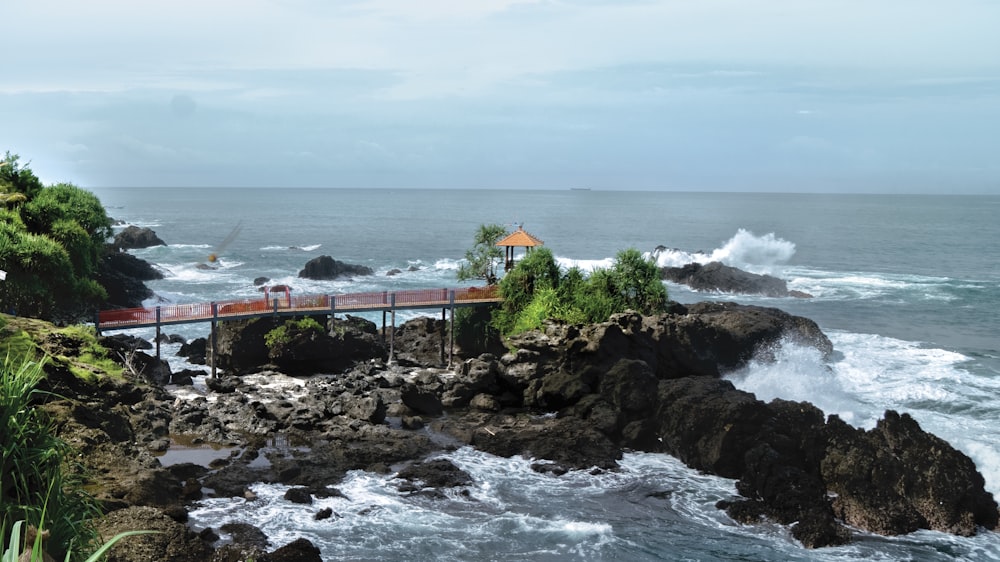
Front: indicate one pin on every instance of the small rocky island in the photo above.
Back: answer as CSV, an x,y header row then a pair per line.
x,y
643,383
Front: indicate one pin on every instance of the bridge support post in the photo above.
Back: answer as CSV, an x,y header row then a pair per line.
x,y
157,333
215,337
444,329
451,330
392,334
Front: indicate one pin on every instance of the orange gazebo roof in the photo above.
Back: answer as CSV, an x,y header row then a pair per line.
x,y
520,238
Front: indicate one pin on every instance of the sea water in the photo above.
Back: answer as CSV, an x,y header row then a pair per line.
x,y
906,287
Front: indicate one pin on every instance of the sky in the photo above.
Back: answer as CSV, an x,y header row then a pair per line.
x,y
853,96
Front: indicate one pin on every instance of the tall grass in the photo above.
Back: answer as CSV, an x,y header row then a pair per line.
x,y
34,487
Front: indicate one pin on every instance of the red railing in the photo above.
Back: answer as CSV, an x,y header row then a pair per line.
x,y
384,300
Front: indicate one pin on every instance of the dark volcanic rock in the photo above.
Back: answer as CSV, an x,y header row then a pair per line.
x,y
897,478
133,237
421,342
436,473
195,351
715,276
303,351
170,540
122,276
421,400
299,550
704,339
325,267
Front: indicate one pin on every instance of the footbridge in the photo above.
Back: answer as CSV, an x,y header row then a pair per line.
x,y
283,303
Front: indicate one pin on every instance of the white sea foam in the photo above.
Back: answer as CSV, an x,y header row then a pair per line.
x,y
447,264
585,265
304,248
751,251
372,513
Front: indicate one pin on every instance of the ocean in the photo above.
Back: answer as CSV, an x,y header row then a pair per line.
x,y
906,287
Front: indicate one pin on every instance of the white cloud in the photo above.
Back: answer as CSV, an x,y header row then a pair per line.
x,y
589,85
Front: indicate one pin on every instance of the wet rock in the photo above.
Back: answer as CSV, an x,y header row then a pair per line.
x,y
421,400
185,377
245,534
299,495
195,351
897,478
717,277
434,473
325,268
299,550
134,237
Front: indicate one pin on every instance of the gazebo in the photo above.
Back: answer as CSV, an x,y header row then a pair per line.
x,y
517,239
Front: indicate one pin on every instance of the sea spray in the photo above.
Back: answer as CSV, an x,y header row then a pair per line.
x,y
745,250
755,253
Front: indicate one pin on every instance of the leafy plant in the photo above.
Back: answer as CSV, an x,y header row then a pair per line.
x,y
33,483
12,552
537,290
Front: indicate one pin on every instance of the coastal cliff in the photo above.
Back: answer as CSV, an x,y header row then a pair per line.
x,y
574,397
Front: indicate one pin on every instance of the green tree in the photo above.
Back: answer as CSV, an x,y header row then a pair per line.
x,y
636,283
51,242
17,179
73,217
483,259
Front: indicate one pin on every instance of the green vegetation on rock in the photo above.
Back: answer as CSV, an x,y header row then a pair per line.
x,y
537,289
284,333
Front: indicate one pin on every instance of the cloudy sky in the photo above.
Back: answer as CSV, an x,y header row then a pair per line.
x,y
695,95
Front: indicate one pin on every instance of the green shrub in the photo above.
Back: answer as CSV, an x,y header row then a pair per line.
x,y
535,291
284,333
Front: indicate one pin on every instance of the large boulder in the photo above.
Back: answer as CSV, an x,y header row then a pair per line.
x,y
897,478
718,277
123,275
421,342
168,541
325,268
302,350
134,237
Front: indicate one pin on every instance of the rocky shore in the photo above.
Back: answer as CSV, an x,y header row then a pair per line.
x,y
570,397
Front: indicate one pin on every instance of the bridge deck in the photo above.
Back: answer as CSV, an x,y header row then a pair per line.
x,y
295,306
